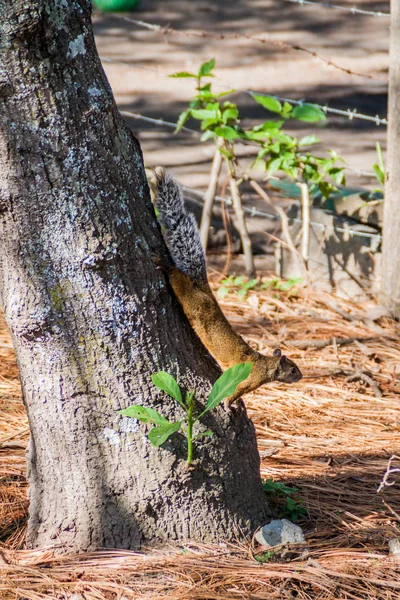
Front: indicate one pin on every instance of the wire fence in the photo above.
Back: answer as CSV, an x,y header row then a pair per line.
x,y
262,39
350,9
349,113
253,212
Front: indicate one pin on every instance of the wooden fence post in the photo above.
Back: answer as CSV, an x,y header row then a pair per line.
x,y
390,274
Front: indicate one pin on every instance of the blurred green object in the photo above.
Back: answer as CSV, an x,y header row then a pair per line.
x,y
115,5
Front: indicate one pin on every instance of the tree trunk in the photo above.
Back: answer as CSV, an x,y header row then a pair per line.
x,y
390,279
90,315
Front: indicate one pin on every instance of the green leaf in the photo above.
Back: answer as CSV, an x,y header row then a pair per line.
x,y
206,68
221,94
256,136
230,114
325,188
250,284
274,165
144,414
158,435
380,175
309,140
271,126
287,109
277,487
226,385
164,381
310,113
239,280
285,137
182,74
225,153
207,135
222,292
275,148
337,174
183,117
286,286
207,124
207,433
268,102
213,106
262,153
226,132
380,157
258,164
202,114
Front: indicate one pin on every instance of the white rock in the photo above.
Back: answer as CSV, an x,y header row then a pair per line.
x,y
280,531
394,547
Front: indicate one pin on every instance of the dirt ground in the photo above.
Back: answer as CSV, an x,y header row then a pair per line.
x,y
330,436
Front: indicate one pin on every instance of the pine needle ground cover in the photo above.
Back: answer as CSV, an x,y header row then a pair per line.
x,y
330,436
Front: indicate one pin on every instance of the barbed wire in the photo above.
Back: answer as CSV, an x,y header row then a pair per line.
x,y
349,113
253,212
352,9
162,122
127,113
129,64
236,36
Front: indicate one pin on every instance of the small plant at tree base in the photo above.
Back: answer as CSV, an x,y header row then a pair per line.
x,y
224,387
264,556
292,509
287,285
241,285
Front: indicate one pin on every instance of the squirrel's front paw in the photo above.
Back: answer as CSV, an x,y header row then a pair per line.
x,y
161,263
157,260
227,405
233,405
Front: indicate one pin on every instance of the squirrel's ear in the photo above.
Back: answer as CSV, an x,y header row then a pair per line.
x,y
277,352
282,360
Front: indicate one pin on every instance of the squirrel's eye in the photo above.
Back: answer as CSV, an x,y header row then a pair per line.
x,y
293,370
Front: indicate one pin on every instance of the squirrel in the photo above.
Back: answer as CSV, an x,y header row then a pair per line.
x,y
188,279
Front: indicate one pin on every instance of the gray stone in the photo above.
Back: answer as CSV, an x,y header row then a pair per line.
x,y
394,547
280,531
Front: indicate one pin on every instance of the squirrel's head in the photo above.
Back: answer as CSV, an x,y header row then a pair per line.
x,y
286,370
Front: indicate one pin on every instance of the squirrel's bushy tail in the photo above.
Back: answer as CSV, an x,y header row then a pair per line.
x,y
179,228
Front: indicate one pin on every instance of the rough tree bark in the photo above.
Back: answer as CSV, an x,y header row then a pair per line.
x,y
90,315
390,278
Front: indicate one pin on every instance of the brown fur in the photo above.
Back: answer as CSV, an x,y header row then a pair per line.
x,y
228,347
